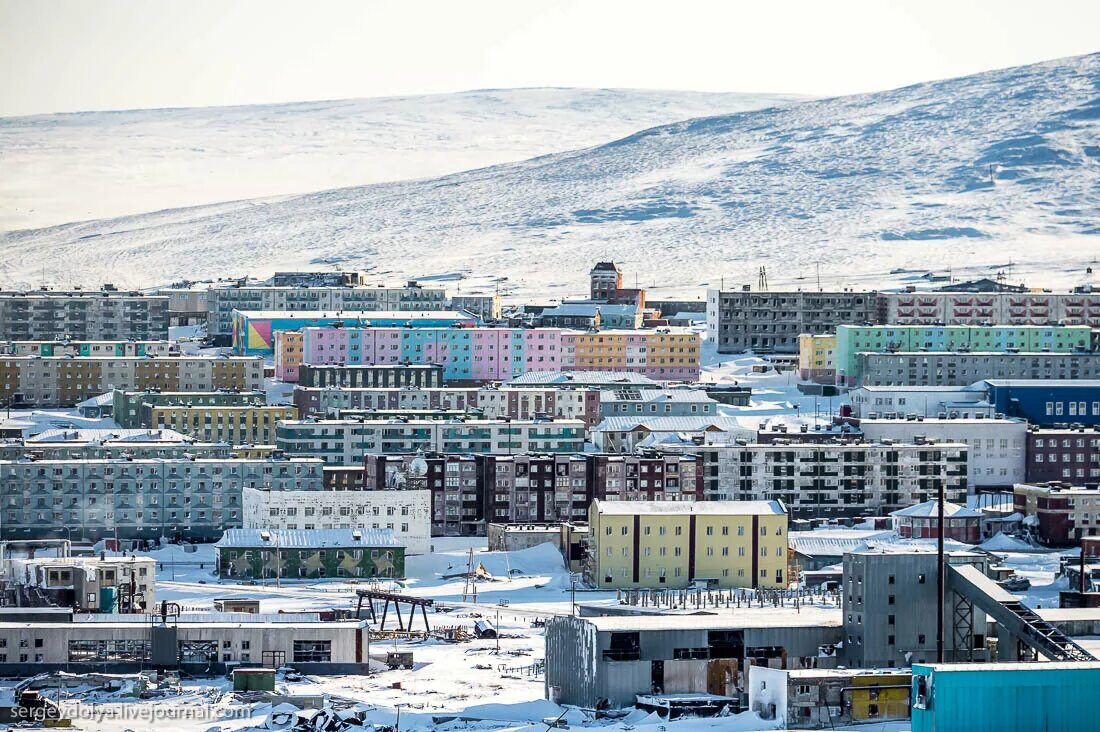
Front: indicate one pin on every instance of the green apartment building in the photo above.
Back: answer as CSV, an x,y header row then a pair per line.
x,y
309,554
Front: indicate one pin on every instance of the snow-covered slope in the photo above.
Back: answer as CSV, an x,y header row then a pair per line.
x,y
59,168
861,184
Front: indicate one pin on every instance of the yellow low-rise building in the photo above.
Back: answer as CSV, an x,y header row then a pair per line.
x,y
817,358
675,544
235,424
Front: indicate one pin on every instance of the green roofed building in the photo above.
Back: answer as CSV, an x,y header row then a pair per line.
x,y
309,553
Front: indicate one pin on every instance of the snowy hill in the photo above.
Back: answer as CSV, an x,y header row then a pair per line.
x,y
74,167
966,174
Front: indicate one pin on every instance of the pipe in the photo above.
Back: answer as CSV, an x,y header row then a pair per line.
x,y
939,578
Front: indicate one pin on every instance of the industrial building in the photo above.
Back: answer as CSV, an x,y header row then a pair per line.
x,y
91,584
609,661
308,554
197,643
62,381
83,315
841,480
1047,401
676,544
819,698
405,512
1005,697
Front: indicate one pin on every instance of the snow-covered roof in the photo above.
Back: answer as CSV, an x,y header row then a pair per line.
x,y
833,542
687,315
357,314
807,616
719,508
108,436
103,400
668,424
582,377
307,538
655,395
930,509
1075,383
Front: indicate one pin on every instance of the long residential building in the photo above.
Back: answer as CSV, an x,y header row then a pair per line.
x,y
61,381
222,301
844,480
481,355
674,545
1069,454
470,491
89,348
138,498
491,401
126,406
87,444
1001,308
852,341
348,442
997,448
957,369
254,330
235,424
771,322
358,377
106,315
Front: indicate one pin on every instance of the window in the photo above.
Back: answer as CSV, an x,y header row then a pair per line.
x,y
312,651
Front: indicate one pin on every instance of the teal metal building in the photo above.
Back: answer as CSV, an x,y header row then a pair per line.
x,y
1005,697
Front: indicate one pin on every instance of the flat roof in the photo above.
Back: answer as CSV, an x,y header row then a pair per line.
x,y
720,508
359,314
1021,666
1059,614
144,626
765,617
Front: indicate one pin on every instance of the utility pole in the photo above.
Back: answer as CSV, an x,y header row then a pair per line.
x,y
940,569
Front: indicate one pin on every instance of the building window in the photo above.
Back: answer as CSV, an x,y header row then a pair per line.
x,y
312,651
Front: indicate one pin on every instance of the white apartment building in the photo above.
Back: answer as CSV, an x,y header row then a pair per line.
x,y
827,480
349,441
997,447
408,513
966,402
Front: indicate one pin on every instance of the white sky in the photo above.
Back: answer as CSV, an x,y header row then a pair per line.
x,y
58,55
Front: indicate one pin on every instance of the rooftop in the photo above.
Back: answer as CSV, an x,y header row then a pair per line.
x,y
359,314
655,395
582,377
670,424
716,508
766,617
307,538
1021,666
930,509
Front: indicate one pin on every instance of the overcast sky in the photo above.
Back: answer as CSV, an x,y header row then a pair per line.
x,y
58,55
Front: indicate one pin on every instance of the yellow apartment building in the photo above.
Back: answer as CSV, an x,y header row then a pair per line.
x,y
675,544
235,424
817,358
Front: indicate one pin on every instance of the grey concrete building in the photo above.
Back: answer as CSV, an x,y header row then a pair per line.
x,y
770,322
486,307
138,499
842,480
357,377
113,443
107,315
632,402
611,660
960,369
222,301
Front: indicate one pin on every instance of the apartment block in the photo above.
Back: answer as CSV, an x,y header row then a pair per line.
x,y
500,354
1001,308
845,480
138,498
721,544
87,444
1070,454
62,381
648,476
771,322
126,406
679,402
533,488
452,481
235,424
107,315
347,442
1060,514
817,358
959,369
854,340
486,307
254,330
407,513
80,349
997,448
357,377
301,297
288,355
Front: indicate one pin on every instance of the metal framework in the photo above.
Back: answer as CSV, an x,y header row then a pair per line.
x,y
387,597
963,628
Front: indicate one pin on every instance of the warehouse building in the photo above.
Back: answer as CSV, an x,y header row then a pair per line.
x,y
308,554
676,544
609,661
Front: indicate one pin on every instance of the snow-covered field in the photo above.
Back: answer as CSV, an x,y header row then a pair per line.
x,y
59,168
971,175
